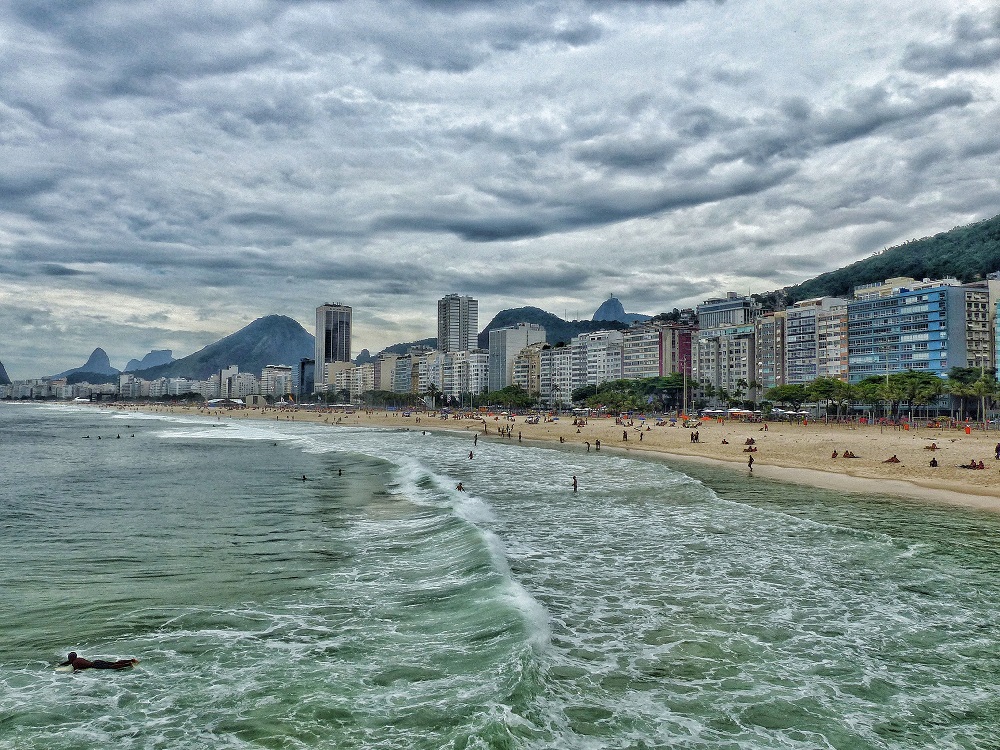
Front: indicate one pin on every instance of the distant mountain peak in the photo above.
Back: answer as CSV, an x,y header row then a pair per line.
x,y
155,358
4,379
612,309
97,363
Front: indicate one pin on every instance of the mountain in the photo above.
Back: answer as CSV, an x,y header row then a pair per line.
x,y
967,253
556,329
97,364
272,340
406,346
4,380
155,358
613,309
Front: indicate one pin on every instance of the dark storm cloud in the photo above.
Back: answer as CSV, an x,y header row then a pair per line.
x,y
591,207
796,130
973,42
449,38
16,188
55,269
628,154
528,279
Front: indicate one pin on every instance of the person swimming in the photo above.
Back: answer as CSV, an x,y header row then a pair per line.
x,y
79,663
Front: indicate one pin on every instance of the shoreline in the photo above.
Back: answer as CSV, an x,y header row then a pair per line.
x,y
793,453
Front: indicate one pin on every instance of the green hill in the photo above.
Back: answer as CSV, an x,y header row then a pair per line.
x,y
967,253
272,340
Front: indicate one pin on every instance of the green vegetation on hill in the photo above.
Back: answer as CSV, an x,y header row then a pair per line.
x,y
967,253
556,329
405,347
94,378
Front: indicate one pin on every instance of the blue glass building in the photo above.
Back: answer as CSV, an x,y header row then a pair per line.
x,y
920,329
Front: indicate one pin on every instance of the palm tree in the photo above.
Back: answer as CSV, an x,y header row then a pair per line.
x,y
741,388
432,393
869,391
821,389
984,388
925,393
841,394
723,396
961,391
894,391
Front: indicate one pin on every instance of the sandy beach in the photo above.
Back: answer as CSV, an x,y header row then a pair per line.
x,y
797,453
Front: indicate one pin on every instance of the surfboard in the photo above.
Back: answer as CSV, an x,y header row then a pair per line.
x,y
66,668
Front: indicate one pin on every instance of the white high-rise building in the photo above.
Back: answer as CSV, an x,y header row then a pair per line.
x,y
276,381
458,323
505,344
528,369
811,338
465,372
227,382
556,375
597,357
641,353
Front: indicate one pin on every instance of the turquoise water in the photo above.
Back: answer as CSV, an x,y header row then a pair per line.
x,y
374,606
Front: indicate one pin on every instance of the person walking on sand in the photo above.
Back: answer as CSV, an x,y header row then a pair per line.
x,y
750,464
574,483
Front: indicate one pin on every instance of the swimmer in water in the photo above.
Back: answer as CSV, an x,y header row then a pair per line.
x,y
79,663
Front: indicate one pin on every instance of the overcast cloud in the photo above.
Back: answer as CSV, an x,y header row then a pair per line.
x,y
171,171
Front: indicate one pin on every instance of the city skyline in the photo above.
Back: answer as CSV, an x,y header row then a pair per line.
x,y
260,159
925,327
312,328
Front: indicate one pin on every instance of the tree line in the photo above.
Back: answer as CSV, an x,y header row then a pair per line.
x,y
971,390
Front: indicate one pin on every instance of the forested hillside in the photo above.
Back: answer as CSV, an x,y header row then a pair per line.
x,y
967,253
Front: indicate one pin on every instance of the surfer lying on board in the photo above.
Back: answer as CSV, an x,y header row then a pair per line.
x,y
78,663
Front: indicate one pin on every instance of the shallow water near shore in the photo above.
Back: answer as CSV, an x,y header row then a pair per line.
x,y
373,605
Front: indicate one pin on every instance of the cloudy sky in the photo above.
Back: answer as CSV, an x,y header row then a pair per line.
x,y
170,171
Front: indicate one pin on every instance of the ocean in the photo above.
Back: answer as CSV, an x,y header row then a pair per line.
x,y
375,606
